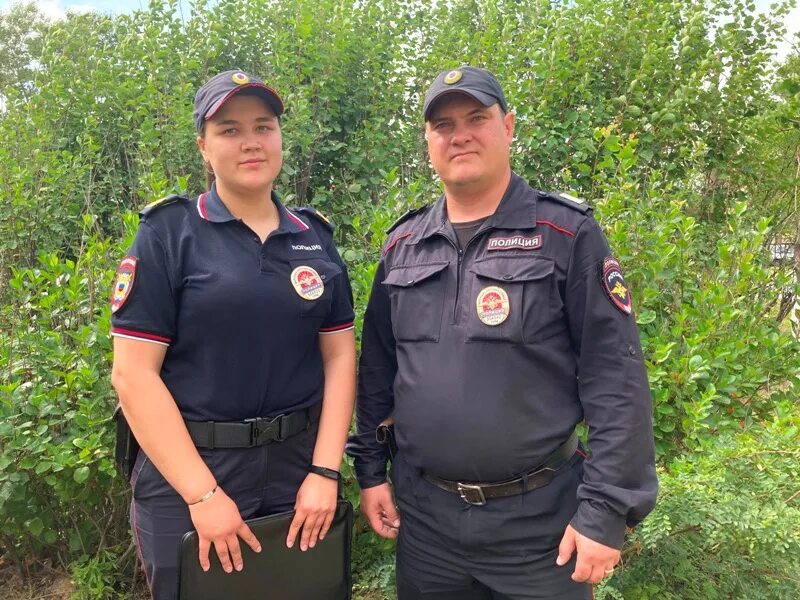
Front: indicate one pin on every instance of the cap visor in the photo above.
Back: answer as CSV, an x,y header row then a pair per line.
x,y
265,92
485,99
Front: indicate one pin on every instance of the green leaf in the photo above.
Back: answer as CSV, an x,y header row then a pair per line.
x,y
81,474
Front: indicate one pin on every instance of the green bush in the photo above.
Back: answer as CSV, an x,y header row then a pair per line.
x,y
727,524
669,117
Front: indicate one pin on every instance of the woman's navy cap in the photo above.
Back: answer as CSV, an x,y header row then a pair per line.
x,y
477,83
219,89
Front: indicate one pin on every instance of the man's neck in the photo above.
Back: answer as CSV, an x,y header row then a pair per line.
x,y
470,203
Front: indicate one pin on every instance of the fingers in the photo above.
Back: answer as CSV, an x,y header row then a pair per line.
x,y
222,553
391,515
377,506
236,552
294,528
596,575
326,525
566,547
249,537
205,546
310,531
384,521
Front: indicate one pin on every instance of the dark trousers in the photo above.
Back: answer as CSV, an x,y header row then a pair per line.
x,y
505,550
261,481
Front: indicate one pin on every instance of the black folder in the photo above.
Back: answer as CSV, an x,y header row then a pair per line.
x,y
277,572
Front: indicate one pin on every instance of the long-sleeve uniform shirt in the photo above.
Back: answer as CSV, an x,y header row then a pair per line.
x,y
488,356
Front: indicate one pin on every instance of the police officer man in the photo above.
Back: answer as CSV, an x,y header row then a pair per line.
x,y
498,321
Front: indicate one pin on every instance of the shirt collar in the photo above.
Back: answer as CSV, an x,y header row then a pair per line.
x,y
517,210
211,208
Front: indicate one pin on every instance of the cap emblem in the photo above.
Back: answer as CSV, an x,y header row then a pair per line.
x,y
240,78
307,283
452,77
493,305
123,282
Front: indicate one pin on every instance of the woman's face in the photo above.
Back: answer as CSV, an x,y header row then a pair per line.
x,y
243,145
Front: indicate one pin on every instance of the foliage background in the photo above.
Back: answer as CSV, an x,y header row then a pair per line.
x,y
669,116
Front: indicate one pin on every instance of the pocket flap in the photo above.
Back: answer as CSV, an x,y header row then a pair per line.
x,y
525,268
326,269
408,275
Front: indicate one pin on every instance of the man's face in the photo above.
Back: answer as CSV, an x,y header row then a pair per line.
x,y
468,142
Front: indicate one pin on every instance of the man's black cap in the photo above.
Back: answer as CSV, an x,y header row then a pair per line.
x,y
216,91
477,83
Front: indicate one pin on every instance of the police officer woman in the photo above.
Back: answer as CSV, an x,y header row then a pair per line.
x,y
234,352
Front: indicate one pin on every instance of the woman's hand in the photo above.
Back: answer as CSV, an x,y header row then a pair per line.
x,y
218,522
314,510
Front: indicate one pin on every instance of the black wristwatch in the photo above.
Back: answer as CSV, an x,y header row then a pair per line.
x,y
325,472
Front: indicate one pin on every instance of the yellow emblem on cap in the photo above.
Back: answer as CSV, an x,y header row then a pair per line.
x,y
452,77
240,78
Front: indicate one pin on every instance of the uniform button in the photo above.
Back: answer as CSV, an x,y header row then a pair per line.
x,y
322,277
631,351
508,276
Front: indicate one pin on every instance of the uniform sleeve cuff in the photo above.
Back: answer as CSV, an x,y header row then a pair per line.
x,y
336,328
599,525
370,474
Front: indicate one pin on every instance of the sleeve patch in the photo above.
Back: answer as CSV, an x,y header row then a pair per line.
x,y
614,285
123,282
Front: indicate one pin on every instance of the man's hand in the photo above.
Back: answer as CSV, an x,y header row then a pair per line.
x,y
595,561
314,509
377,505
219,522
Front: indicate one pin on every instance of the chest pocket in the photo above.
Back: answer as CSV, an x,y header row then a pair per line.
x,y
417,293
305,287
527,293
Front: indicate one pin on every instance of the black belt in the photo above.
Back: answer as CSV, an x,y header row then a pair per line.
x,y
476,493
252,432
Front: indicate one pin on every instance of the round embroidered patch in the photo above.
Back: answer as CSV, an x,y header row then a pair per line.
x,y
452,77
493,305
123,282
240,78
615,286
307,283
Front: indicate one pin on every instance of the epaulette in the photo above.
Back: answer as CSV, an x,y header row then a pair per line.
x,y
165,201
313,212
406,217
567,200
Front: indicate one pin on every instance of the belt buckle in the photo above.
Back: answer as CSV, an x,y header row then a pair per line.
x,y
264,430
471,494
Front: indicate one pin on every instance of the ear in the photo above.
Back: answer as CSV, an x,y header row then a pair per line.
x,y
508,125
201,144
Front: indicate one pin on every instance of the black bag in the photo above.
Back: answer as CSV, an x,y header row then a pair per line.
x,y
277,572
126,447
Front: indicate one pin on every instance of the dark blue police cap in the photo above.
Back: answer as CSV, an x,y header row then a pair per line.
x,y
477,83
217,90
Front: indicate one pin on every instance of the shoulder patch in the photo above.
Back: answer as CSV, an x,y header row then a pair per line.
x,y
313,212
165,201
567,200
406,217
615,286
123,282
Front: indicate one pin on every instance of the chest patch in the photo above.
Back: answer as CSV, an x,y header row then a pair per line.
x,y
307,283
516,242
614,285
492,305
123,282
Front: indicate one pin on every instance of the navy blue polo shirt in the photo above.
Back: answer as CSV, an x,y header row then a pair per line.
x,y
241,319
